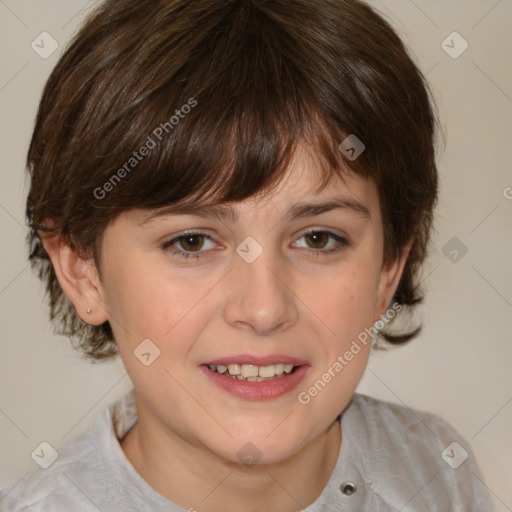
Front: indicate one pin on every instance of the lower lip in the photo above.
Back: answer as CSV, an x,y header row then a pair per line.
x,y
265,390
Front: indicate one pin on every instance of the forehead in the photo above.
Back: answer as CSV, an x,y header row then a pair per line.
x,y
302,193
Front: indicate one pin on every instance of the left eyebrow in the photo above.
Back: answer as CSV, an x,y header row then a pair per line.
x,y
301,210
298,210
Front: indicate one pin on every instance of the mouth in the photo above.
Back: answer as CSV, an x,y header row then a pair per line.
x,y
253,373
254,378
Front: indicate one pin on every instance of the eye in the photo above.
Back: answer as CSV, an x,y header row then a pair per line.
x,y
195,243
191,244
318,242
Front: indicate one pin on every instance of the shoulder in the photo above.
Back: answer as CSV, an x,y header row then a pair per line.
x,y
84,469
388,416
404,426
57,487
86,472
416,454
410,435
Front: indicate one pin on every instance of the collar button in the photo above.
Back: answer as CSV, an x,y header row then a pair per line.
x,y
348,488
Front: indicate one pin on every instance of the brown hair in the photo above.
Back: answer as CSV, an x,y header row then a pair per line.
x,y
257,77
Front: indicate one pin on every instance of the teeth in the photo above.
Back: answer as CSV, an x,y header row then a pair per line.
x,y
248,370
267,371
233,369
279,369
251,372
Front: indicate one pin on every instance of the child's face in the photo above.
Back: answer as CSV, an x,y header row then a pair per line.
x,y
293,304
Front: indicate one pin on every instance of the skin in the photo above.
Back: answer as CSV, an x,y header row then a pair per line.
x,y
293,299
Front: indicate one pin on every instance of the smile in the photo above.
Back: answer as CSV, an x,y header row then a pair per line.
x,y
253,373
250,381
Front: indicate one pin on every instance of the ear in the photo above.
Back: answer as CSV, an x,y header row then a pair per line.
x,y
390,275
78,278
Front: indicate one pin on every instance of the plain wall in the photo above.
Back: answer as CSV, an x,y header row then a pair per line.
x,y
461,365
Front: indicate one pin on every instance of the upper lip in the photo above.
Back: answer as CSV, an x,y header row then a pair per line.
x,y
257,360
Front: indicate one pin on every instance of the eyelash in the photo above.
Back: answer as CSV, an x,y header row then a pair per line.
x,y
168,246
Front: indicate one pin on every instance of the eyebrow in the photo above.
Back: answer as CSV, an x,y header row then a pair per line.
x,y
297,211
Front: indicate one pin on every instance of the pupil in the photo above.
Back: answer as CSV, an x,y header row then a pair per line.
x,y
316,236
189,241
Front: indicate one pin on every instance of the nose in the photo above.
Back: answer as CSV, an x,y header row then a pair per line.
x,y
260,297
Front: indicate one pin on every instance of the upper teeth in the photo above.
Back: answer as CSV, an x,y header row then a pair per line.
x,y
249,370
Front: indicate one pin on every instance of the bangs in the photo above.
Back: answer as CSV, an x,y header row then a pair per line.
x,y
222,155
219,132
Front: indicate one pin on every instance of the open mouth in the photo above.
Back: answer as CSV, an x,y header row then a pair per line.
x,y
253,373
256,378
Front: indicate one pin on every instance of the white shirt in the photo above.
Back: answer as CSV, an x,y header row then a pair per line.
x,y
392,458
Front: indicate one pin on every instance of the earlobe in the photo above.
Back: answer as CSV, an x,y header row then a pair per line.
x,y
78,279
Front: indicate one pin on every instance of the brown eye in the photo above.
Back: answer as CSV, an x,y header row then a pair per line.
x,y
191,242
319,242
189,245
319,239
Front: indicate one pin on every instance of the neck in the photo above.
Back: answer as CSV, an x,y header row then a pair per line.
x,y
193,477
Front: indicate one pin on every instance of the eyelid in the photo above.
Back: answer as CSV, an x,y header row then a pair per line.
x,y
320,229
183,234
341,239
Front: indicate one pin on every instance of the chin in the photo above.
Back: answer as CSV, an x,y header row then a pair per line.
x,y
253,453
270,444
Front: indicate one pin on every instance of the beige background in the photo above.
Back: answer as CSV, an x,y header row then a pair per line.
x,y
460,368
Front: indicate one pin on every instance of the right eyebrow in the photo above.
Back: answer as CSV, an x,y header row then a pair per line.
x,y
218,211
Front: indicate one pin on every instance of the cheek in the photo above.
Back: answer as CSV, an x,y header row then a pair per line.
x,y
132,301
345,309
168,310
344,303
145,300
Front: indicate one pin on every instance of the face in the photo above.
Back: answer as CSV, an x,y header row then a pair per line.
x,y
275,290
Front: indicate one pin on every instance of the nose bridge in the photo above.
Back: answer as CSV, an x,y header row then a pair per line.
x,y
259,297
